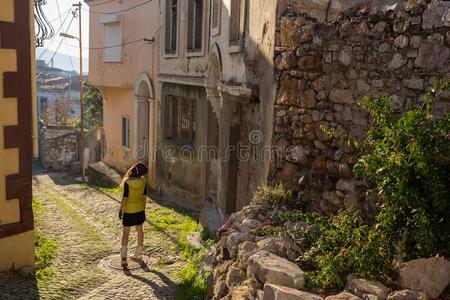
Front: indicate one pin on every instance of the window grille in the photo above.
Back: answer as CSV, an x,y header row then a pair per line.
x,y
180,120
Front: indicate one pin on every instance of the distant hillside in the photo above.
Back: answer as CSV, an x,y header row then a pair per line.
x,y
62,61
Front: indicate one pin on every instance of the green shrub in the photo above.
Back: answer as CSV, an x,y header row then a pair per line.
x,y
45,254
193,284
407,160
276,195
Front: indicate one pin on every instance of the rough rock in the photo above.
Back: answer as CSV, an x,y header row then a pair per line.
x,y
359,287
343,296
413,83
432,54
437,14
234,277
220,289
285,61
194,239
397,61
269,268
430,276
407,295
342,96
278,292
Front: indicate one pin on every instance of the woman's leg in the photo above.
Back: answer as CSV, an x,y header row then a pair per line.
x,y
124,249
140,246
125,236
140,234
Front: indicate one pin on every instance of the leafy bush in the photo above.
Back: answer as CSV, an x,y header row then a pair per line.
x,y
44,255
276,195
407,160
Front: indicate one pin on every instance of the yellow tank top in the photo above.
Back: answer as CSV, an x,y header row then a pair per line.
x,y
135,203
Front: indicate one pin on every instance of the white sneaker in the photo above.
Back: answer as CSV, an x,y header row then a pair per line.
x,y
123,256
138,252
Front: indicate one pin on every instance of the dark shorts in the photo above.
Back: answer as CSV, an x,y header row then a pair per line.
x,y
133,219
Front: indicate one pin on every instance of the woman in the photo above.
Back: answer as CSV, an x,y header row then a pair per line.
x,y
132,209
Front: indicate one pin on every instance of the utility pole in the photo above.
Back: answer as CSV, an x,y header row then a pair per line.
x,y
80,39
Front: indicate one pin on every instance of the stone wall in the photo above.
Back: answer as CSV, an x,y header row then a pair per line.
x,y
59,147
324,68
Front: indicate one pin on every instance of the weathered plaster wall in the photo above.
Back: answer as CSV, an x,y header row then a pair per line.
x,y
119,81
245,86
182,63
16,129
118,103
181,174
325,68
137,57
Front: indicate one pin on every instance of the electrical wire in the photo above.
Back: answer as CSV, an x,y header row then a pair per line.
x,y
53,39
65,41
45,30
60,42
118,11
114,46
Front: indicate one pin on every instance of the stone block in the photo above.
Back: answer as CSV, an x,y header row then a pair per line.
x,y
269,268
430,276
342,96
360,287
407,295
278,292
436,14
343,296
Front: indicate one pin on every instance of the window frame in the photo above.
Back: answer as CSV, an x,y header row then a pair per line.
x,y
172,53
215,30
196,52
236,46
109,23
126,133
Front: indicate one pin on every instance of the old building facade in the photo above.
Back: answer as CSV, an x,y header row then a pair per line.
x,y
242,89
216,94
264,77
17,116
123,57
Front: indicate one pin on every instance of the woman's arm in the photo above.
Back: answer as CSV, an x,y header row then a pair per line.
x,y
124,201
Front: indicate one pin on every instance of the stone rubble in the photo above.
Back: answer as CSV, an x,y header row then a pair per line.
x,y
247,264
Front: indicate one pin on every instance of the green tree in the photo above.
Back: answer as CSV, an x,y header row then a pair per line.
x,y
93,108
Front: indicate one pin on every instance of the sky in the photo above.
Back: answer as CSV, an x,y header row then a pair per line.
x,y
69,46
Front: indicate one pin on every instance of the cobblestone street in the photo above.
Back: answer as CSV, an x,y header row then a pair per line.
x,y
83,221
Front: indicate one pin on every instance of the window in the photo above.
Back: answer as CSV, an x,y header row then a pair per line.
x,y
195,25
126,132
235,22
215,20
113,41
180,121
171,26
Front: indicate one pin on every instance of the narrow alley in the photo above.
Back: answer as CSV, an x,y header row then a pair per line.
x,y
83,222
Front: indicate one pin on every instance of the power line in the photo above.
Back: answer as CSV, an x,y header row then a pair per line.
x,y
119,11
56,19
53,39
114,46
60,42
65,41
